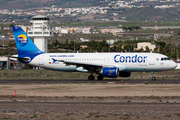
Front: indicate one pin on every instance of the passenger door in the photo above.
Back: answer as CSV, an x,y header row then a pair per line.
x,y
41,60
151,60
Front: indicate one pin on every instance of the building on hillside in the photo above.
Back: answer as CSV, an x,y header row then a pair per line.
x,y
77,30
83,46
116,30
104,31
55,29
24,28
6,28
143,46
71,30
84,40
64,31
2,37
86,31
110,42
135,34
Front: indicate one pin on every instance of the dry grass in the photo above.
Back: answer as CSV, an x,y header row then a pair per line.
x,y
49,74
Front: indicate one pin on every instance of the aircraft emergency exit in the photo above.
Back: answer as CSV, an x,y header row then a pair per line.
x,y
104,64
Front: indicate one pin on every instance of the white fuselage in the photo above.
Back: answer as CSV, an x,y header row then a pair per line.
x,y
129,62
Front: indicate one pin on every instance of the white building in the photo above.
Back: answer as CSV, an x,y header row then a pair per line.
x,y
112,30
143,45
77,30
40,30
84,40
116,30
2,37
64,31
104,31
86,31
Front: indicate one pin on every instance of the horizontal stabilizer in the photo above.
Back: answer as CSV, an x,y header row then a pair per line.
x,y
24,59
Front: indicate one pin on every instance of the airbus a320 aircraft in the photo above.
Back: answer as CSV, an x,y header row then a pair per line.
x,y
104,64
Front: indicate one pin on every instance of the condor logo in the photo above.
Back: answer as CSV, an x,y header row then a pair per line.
x,y
130,59
22,39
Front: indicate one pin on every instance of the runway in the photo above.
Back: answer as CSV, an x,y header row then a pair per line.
x,y
89,103
87,81
38,100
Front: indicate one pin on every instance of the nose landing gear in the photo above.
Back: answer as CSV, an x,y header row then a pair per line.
x,y
153,77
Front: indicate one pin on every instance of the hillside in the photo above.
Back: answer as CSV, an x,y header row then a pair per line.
x,y
149,13
23,4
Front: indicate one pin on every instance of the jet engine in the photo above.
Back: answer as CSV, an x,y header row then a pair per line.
x,y
110,72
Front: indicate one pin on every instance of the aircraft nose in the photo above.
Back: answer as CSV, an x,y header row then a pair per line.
x,y
174,65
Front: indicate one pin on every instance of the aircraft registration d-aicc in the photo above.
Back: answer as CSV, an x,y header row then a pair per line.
x,y
104,64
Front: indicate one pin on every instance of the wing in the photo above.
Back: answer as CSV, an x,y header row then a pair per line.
x,y
91,67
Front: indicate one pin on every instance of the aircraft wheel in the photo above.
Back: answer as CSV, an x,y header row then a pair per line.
x,y
153,78
91,77
100,77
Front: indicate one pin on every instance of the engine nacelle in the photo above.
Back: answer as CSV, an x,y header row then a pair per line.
x,y
110,72
124,74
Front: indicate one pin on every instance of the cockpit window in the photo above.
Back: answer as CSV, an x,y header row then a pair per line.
x,y
163,59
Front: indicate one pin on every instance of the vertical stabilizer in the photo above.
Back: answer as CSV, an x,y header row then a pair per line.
x,y
25,46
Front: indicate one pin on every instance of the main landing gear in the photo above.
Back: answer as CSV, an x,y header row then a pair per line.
x,y
99,77
153,77
91,77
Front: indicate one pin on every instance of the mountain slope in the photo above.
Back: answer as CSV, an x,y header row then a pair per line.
x,y
23,4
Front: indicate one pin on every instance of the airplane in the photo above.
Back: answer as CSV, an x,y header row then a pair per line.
x,y
110,65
